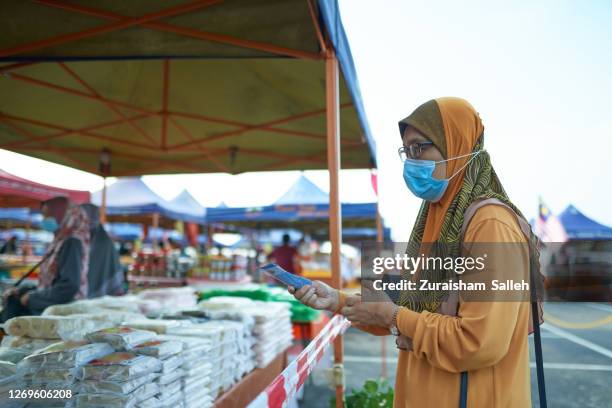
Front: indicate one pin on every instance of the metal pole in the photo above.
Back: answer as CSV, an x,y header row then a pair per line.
x,y
335,216
103,206
379,240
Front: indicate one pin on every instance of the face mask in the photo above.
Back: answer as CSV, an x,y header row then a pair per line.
x,y
49,224
418,175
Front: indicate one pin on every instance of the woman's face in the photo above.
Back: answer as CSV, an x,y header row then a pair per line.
x,y
430,152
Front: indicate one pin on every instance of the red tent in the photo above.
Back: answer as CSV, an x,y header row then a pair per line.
x,y
18,192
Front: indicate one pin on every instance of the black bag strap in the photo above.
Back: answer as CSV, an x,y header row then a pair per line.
x,y
535,313
25,276
463,389
537,342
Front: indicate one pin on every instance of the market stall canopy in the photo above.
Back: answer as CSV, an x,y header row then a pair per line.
x,y
19,218
304,206
185,203
18,192
176,86
132,232
303,191
131,200
579,226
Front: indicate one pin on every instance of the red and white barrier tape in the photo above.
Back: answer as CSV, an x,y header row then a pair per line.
x,y
287,384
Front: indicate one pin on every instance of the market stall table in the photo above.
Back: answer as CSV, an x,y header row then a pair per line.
x,y
252,384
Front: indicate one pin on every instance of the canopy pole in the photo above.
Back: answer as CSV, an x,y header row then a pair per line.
x,y
335,215
155,227
103,206
379,240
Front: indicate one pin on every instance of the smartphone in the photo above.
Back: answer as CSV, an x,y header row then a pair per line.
x,y
285,277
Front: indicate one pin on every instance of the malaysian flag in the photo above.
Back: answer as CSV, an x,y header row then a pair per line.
x,y
547,226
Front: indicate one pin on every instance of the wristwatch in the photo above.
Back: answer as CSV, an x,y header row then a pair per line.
x,y
393,328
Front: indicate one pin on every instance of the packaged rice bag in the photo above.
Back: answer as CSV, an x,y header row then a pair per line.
x,y
212,333
52,375
13,355
153,402
170,377
117,400
198,369
161,349
121,366
50,327
114,387
156,325
171,389
197,386
171,400
172,363
26,343
66,354
121,338
7,370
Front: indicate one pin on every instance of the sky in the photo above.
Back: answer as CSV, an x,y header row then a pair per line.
x,y
537,72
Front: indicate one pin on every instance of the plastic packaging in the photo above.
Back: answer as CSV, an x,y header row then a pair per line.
x,y
161,349
117,400
50,327
170,377
121,338
66,354
156,325
153,402
214,334
114,387
172,363
171,388
26,343
56,375
121,366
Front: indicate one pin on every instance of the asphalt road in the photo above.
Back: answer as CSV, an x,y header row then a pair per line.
x,y
577,359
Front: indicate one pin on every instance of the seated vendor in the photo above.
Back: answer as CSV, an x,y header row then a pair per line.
x,y
62,276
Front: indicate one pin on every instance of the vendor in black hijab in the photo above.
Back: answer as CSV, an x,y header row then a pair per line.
x,y
105,271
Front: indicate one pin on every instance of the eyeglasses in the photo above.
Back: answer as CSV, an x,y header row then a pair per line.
x,y
412,151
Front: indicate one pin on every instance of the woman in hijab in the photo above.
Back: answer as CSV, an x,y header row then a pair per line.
x,y
105,271
62,277
441,335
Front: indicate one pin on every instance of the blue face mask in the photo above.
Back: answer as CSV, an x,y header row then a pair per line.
x,y
49,224
418,175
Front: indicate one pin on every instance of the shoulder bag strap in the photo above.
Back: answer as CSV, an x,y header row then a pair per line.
x,y
525,228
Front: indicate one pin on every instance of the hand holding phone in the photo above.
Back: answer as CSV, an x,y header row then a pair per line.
x,y
285,277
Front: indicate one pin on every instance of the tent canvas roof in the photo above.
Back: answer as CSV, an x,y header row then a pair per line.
x,y
186,203
304,206
19,192
131,200
177,86
579,226
303,191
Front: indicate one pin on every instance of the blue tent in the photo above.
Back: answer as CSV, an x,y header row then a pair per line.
x,y
303,191
184,203
304,203
20,217
132,232
579,226
129,199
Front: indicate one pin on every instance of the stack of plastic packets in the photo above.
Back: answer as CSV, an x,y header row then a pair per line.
x,y
198,343
268,322
123,379
51,374
170,380
9,378
272,330
228,361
